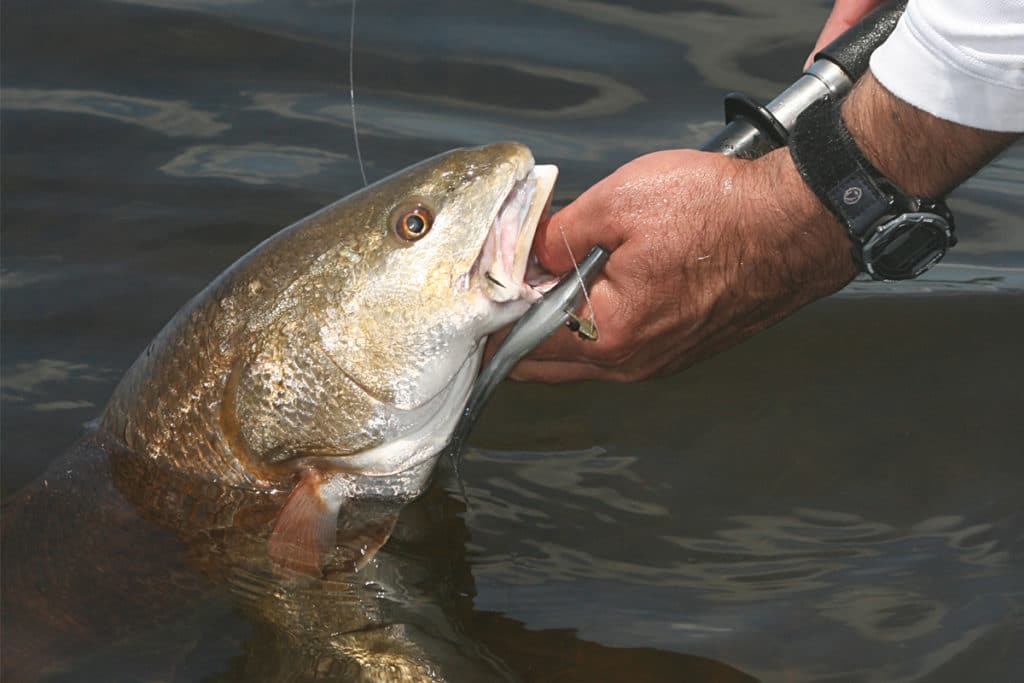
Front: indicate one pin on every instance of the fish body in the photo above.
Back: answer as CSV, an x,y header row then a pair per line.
x,y
323,370
334,358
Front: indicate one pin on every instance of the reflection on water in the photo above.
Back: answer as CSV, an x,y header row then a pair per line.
x,y
174,119
575,469
26,383
748,586
838,499
719,36
255,164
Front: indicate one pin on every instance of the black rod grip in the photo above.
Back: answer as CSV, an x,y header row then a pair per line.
x,y
851,51
748,139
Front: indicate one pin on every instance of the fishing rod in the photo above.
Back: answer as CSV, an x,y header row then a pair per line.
x,y
751,130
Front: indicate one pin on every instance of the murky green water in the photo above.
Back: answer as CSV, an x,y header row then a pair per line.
x,y
839,499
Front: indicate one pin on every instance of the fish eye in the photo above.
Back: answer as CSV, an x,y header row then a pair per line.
x,y
412,224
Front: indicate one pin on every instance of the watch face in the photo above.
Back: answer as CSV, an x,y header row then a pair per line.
x,y
907,246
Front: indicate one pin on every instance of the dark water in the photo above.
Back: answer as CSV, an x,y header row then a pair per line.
x,y
839,499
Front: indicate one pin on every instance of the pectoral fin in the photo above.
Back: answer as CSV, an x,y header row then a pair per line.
x,y
306,527
359,545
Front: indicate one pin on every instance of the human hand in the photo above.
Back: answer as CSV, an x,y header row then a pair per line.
x,y
845,13
706,250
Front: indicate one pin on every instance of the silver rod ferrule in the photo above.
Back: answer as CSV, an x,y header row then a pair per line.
x,y
821,78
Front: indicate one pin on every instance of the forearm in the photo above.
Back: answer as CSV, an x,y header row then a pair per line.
x,y
922,154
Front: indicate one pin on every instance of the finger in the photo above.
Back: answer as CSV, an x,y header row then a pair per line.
x,y
563,344
548,371
557,372
582,224
845,13
492,345
833,27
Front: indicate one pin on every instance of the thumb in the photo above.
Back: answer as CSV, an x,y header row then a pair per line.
x,y
844,14
576,229
835,25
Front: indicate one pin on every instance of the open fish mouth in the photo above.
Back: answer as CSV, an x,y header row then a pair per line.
x,y
505,254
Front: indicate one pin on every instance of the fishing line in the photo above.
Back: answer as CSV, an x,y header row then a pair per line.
x,y
583,288
352,87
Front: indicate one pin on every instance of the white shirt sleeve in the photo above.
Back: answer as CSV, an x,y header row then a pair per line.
x,y
959,60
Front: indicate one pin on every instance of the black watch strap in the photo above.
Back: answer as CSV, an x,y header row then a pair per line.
x,y
894,236
837,171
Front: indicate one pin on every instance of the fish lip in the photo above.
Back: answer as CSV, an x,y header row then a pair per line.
x,y
500,268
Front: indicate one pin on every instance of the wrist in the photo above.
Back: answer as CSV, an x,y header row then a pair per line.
x,y
819,249
859,162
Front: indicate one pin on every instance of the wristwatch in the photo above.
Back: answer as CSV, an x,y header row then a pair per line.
x,y
895,236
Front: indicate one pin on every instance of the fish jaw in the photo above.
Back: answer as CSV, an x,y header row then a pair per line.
x,y
500,269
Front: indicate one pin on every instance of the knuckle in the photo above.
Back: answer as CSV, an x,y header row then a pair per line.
x,y
631,373
621,345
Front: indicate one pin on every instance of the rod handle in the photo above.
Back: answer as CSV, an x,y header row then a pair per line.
x,y
851,51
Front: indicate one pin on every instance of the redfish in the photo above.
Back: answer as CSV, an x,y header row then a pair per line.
x,y
335,358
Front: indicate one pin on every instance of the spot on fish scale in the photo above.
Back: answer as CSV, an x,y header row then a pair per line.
x,y
349,255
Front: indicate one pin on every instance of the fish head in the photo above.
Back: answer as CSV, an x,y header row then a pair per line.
x,y
446,270
374,347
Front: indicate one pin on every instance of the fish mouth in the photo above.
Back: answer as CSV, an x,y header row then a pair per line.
x,y
502,264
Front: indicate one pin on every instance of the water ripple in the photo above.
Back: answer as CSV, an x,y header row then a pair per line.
x,y
173,118
573,471
256,164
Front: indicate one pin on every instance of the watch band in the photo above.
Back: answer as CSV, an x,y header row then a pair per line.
x,y
894,236
835,169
